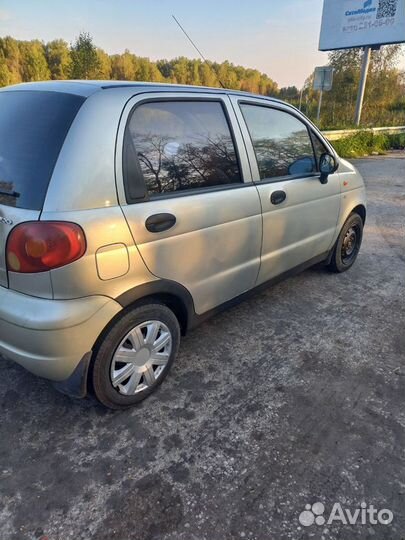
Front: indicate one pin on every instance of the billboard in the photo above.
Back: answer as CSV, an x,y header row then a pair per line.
x,y
358,23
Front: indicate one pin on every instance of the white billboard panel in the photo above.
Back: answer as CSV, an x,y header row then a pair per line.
x,y
357,23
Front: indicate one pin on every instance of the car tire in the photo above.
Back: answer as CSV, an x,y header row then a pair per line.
x,y
134,355
347,245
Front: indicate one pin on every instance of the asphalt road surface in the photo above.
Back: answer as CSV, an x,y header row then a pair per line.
x,y
293,397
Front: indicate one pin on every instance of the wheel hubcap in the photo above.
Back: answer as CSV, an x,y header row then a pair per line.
x,y
141,357
349,243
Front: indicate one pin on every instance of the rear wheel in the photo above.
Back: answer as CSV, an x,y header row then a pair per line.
x,y
348,244
135,355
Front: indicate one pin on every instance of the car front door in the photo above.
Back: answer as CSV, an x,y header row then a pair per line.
x,y
300,213
185,188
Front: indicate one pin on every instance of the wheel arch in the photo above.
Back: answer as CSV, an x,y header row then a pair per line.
x,y
361,210
172,294
355,206
355,203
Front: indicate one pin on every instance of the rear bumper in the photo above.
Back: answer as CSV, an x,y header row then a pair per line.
x,y
51,337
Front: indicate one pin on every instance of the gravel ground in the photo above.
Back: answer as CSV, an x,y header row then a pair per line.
x,y
293,397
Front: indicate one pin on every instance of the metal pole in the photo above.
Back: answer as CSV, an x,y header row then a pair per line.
x,y
318,116
302,90
362,85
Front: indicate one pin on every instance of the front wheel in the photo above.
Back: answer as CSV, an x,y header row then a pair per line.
x,y
348,244
135,355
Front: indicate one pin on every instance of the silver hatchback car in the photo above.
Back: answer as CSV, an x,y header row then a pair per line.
x,y
130,212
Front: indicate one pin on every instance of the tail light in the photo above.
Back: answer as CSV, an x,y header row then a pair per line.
x,y
38,246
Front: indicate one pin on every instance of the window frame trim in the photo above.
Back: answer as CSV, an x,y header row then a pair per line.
x,y
140,180
285,108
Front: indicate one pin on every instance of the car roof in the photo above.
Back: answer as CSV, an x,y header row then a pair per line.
x,y
87,87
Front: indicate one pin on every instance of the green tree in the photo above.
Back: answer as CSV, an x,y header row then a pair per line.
x,y
103,71
179,72
5,75
57,54
228,77
165,68
123,66
290,94
34,66
10,51
195,72
208,76
147,71
384,102
382,89
85,61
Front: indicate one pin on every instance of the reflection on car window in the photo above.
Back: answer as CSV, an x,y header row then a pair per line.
x,y
319,147
33,127
281,142
183,145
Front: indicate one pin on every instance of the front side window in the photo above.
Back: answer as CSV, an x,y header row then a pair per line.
x,y
182,145
281,142
319,148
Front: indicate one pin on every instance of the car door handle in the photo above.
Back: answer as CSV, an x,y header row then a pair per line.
x,y
277,197
160,222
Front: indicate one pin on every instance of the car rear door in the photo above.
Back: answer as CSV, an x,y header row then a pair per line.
x,y
185,187
299,213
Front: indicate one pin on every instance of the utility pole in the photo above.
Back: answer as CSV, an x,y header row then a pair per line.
x,y
362,85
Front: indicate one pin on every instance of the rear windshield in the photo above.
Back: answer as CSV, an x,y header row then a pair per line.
x,y
33,126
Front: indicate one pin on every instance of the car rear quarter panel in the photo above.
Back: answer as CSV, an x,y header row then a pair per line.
x,y
112,263
84,175
83,190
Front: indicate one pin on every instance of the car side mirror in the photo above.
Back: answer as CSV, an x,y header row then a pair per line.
x,y
327,166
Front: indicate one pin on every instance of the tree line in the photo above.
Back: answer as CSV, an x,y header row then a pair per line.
x,y
24,61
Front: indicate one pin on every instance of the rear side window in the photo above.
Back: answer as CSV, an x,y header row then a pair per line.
x,y
33,126
178,146
281,142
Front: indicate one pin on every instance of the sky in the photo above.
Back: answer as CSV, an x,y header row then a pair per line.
x,y
278,37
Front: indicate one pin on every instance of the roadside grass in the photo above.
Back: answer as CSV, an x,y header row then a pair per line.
x,y
366,143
